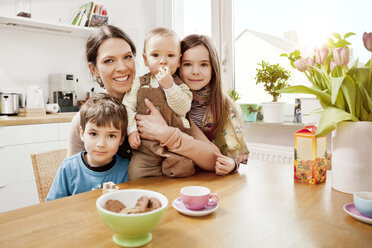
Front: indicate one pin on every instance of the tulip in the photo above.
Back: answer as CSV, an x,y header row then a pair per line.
x,y
367,40
321,54
310,61
341,55
300,64
303,64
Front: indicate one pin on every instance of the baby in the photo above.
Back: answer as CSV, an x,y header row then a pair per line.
x,y
173,99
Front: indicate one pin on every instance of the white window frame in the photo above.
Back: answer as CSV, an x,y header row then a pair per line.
x,y
222,34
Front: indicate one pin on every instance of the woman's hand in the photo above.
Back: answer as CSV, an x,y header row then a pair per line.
x,y
224,164
152,126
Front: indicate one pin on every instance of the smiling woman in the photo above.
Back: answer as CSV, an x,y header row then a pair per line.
x,y
110,55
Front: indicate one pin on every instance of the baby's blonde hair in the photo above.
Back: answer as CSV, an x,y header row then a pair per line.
x,y
159,32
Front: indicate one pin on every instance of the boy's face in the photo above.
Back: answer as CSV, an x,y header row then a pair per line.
x,y
162,51
101,143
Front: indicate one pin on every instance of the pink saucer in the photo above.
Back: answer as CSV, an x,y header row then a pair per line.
x,y
350,209
180,207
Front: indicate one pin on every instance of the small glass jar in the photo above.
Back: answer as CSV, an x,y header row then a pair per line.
x,y
23,8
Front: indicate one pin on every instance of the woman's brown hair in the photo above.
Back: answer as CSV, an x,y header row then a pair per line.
x,y
219,101
96,39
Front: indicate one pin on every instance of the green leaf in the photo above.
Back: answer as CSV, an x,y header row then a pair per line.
x,y
336,84
348,88
337,71
348,35
330,118
322,80
342,43
325,98
353,69
370,117
358,102
363,113
368,63
284,55
362,76
336,35
330,43
365,99
340,102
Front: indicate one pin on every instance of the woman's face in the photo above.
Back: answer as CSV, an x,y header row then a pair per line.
x,y
196,68
115,66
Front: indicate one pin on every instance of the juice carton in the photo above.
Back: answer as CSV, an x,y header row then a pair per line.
x,y
310,156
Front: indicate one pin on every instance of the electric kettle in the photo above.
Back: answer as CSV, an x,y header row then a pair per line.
x,y
34,97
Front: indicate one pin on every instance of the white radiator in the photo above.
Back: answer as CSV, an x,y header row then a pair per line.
x,y
271,153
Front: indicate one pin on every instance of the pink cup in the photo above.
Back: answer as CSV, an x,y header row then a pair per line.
x,y
198,197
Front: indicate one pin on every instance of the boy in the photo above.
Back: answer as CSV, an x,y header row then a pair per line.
x,y
173,99
103,121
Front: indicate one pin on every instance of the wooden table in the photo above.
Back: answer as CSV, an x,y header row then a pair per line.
x,y
261,206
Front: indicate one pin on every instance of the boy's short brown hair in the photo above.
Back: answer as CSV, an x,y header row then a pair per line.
x,y
104,110
159,31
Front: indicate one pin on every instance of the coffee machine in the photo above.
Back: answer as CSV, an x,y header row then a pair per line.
x,y
62,88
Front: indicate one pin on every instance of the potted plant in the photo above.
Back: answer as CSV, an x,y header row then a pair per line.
x,y
345,95
274,78
249,111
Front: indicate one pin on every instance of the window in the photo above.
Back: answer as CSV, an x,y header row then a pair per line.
x,y
192,17
265,29
208,17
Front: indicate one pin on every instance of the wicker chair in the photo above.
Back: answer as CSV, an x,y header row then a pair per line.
x,y
45,166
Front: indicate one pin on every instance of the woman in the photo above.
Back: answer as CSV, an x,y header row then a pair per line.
x,y
110,55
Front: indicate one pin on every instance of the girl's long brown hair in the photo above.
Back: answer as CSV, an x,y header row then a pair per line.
x,y
219,101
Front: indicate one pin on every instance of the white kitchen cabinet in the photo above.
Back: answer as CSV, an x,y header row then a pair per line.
x,y
17,181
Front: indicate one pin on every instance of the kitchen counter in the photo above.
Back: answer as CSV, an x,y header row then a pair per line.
x,y
49,118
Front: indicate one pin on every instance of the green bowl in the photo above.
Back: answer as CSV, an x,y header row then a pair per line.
x,y
131,230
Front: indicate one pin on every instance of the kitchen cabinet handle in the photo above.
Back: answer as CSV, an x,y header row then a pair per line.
x,y
2,186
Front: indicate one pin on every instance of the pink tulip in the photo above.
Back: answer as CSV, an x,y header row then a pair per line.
x,y
341,55
367,40
321,54
332,65
301,64
310,61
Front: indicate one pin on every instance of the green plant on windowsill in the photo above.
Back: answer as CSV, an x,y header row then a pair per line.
x,y
233,94
344,93
273,77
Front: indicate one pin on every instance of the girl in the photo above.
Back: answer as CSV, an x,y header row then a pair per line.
x,y
212,110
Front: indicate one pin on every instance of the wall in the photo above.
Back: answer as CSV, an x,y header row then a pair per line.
x,y
28,56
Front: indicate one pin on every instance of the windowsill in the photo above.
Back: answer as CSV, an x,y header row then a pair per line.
x,y
283,124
